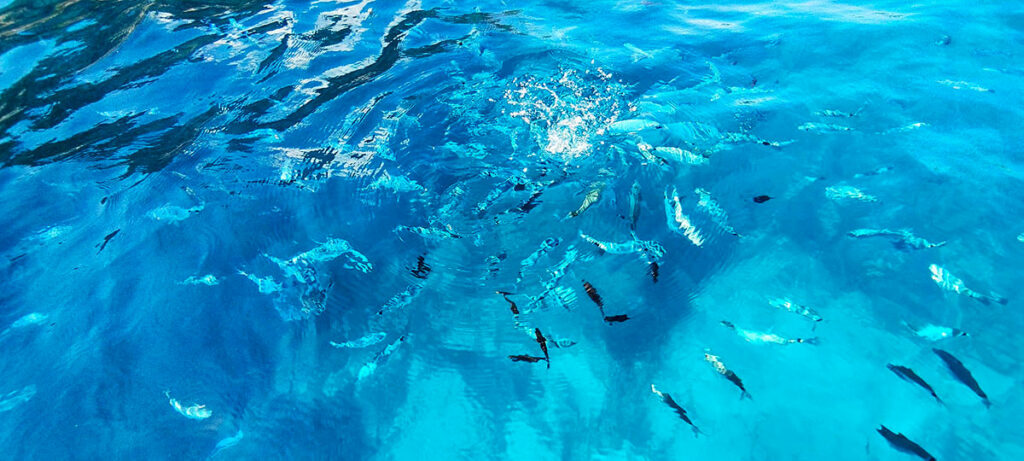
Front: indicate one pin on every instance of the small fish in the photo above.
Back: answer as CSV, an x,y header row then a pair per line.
x,y
365,341
906,128
901,443
902,239
908,375
11,400
633,126
429,233
789,306
594,296
710,206
680,155
543,345
226,443
840,193
654,271
512,304
720,368
401,300
835,113
875,172
678,409
761,337
172,213
545,247
591,198
1020,238
422,268
530,203
616,318
526,358
634,206
761,198
106,240
962,85
949,282
649,250
190,412
962,374
209,280
34,318
329,250
935,332
265,285
370,367
823,127
679,222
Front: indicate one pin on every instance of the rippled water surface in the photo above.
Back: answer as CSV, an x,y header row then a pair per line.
x,y
511,230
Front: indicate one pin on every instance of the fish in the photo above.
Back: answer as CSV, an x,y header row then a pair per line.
x,y
835,113
616,318
789,306
720,368
265,285
34,318
13,399
594,296
526,358
209,280
875,172
401,300
226,443
365,341
823,127
902,238
680,155
962,85
171,213
543,345
422,268
634,206
901,443
512,304
190,412
761,337
329,250
840,193
1020,237
429,233
710,206
370,367
935,332
667,398
679,222
654,271
530,203
633,126
761,198
908,375
590,199
106,240
647,249
962,374
545,247
949,282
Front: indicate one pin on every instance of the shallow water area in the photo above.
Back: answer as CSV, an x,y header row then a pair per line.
x,y
484,230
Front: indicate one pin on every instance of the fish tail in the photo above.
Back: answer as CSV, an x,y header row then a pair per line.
x,y
746,395
697,432
812,341
987,402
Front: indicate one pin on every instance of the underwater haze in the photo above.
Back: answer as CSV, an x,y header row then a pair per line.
x,y
534,230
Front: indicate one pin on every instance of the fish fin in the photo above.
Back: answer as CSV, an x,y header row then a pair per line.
x,y
746,395
696,431
988,403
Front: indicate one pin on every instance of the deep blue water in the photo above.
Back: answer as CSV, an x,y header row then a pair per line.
x,y
237,230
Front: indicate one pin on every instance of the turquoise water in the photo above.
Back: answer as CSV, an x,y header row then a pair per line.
x,y
344,230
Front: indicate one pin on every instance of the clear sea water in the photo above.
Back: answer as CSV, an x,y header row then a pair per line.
x,y
248,230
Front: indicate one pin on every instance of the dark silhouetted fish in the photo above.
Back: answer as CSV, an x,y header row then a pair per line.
x,y
908,375
902,443
761,199
512,304
678,409
654,271
962,373
616,318
526,358
543,345
722,370
594,296
422,268
106,240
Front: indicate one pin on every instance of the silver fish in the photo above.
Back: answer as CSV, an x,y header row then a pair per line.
x,y
762,337
707,203
679,222
949,282
903,238
789,306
